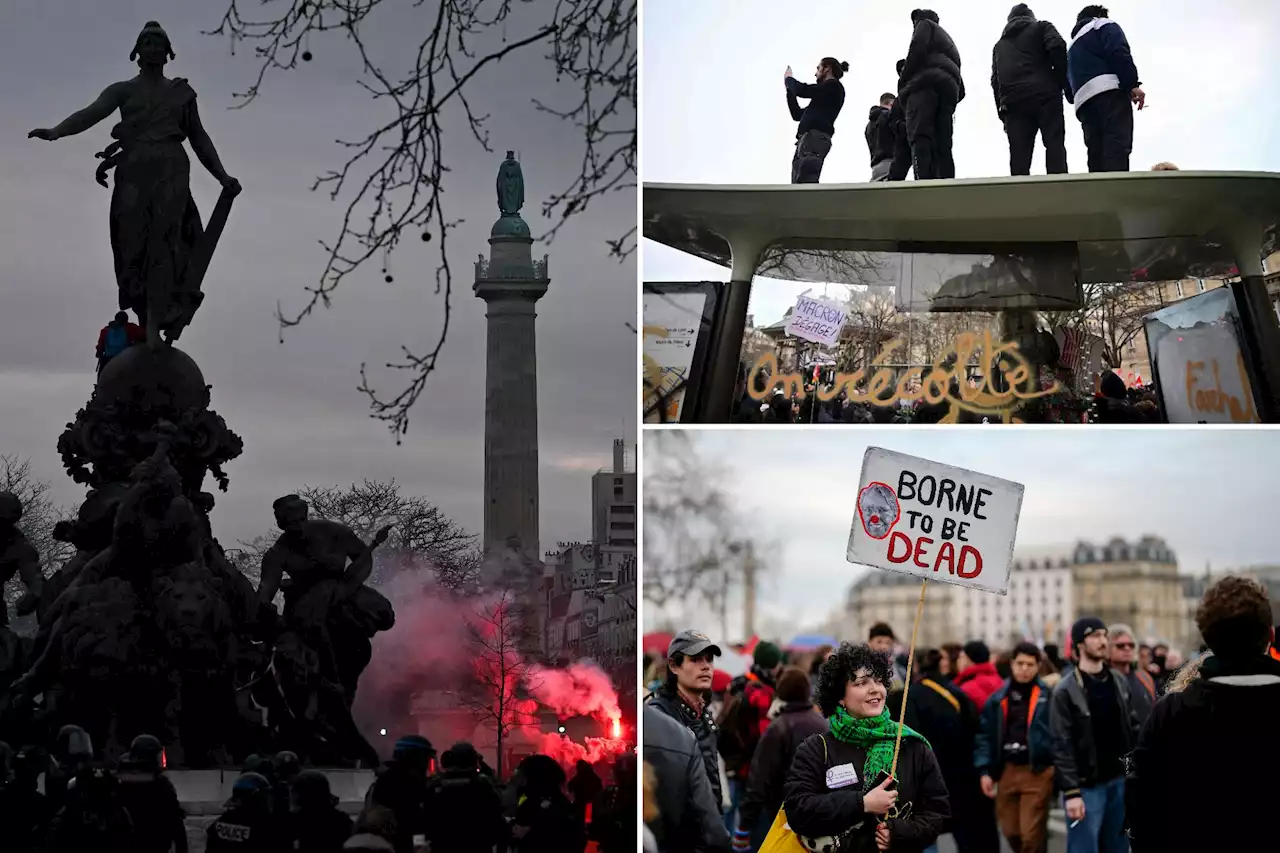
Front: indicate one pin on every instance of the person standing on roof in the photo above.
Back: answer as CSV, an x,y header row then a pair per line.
x,y
1028,80
116,337
1104,84
880,137
930,87
817,121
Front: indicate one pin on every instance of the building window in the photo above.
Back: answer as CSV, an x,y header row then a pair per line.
x,y
1200,285
628,508
622,525
1178,285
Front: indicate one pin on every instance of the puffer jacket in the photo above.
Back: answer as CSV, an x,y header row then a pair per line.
x,y
1028,64
688,818
933,62
703,727
979,682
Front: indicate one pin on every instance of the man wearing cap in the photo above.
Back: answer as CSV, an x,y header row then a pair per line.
x,y
685,696
1093,728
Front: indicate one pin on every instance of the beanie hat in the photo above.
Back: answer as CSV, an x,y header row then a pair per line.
x,y
767,655
1083,627
977,651
720,681
1022,10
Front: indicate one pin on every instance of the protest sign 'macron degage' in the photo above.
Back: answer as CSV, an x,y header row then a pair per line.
x,y
934,521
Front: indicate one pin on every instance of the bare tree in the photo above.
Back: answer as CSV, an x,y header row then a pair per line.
x,y
875,321
497,692
695,544
391,180
39,514
1112,312
422,537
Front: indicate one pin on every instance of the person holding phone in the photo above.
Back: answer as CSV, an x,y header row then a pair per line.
x,y
840,793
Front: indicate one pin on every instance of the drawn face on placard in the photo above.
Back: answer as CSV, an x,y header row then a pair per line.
x,y
878,510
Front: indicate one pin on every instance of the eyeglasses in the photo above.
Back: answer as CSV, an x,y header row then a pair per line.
x,y
1123,645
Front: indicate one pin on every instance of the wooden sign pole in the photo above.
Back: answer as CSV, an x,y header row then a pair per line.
x,y
906,688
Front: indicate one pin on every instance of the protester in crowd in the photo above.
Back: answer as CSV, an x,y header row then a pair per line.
x,y
1222,726
881,639
817,121
898,171
931,87
25,811
686,809
1028,80
795,721
949,663
1094,728
375,831
880,138
1014,753
585,787
683,696
839,783
1104,85
948,719
544,820
743,721
1142,688
977,675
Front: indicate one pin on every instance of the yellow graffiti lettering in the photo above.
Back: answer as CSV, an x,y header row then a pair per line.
x,y
980,399
1206,398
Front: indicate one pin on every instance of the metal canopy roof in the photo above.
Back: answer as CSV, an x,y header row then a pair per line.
x,y
1240,209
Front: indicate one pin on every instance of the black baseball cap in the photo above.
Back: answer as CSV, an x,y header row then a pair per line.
x,y
691,644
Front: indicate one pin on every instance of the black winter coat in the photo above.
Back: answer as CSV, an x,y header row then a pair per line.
x,y
880,135
933,62
1028,64
1221,731
795,722
951,727
815,811
703,727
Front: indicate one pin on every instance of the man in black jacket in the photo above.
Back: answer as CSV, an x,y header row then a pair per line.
x,y
688,812
1093,727
1222,727
1028,80
817,121
683,697
930,86
880,137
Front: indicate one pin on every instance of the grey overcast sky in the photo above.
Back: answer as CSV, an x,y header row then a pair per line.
x,y
713,73
296,404
1209,493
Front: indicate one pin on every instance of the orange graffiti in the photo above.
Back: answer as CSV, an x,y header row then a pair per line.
x,y
981,399
1213,399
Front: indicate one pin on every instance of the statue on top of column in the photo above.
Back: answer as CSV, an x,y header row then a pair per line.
x,y
510,186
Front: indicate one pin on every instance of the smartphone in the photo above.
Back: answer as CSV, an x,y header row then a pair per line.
x,y
879,780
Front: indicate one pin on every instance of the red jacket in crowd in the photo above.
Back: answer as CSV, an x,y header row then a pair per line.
x,y
979,681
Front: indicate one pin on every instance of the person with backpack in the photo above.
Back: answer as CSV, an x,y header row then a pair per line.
x,y
116,337
743,721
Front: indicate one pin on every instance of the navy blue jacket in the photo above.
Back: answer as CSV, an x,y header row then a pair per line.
x,y
1099,60
988,751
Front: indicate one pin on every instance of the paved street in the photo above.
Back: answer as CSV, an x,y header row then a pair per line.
x,y
1057,837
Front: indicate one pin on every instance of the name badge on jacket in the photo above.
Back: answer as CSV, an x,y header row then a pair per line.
x,y
841,776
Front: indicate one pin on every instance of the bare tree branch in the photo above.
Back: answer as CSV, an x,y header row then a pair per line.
x,y
39,514
392,178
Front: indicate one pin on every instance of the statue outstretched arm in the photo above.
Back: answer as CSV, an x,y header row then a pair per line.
x,y
206,153
78,122
272,575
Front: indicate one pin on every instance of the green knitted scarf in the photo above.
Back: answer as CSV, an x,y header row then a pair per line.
x,y
874,734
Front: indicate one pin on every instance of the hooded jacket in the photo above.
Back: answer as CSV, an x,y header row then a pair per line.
x,y
979,682
1028,63
933,62
1099,60
880,135
1220,731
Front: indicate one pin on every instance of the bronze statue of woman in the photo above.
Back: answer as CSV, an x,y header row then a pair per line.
x,y
154,222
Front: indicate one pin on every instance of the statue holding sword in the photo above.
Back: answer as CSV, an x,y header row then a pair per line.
x,y
160,248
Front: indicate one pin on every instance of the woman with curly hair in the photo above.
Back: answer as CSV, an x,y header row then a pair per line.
x,y
838,796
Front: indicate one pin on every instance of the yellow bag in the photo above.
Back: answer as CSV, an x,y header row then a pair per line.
x,y
781,838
